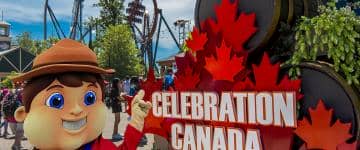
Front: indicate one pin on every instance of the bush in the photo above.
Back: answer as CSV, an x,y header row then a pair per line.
x,y
335,32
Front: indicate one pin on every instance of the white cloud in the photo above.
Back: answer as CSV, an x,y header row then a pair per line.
x,y
31,11
26,11
172,10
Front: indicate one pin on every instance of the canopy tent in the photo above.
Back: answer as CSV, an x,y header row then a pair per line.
x,y
169,61
16,59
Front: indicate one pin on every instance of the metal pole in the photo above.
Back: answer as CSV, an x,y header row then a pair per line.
x,y
90,37
56,29
168,27
81,13
52,15
157,41
45,20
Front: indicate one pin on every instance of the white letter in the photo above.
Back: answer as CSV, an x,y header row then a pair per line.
x,y
219,139
264,106
197,111
210,102
176,129
284,110
175,107
238,135
226,107
251,108
203,140
189,138
156,97
184,105
166,104
253,140
240,107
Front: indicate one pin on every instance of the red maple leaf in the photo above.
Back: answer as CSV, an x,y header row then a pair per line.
x,y
243,85
197,41
224,67
320,134
187,80
183,62
235,30
266,79
154,125
151,85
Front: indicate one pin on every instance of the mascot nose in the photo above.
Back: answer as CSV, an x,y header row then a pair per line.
x,y
77,110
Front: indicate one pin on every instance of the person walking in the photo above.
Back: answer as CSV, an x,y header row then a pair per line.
x,y
1,100
16,127
126,85
169,79
115,96
5,111
134,86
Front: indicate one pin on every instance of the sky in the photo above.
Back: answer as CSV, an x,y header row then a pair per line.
x,y
27,16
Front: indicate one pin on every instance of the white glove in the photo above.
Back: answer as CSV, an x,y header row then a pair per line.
x,y
139,110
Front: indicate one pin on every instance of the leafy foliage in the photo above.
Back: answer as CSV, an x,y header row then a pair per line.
x,y
24,40
39,46
335,33
117,50
7,80
111,13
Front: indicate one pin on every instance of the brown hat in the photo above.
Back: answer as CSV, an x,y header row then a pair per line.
x,y
65,56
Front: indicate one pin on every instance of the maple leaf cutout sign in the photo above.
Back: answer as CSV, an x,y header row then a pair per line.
x,y
320,134
235,30
266,79
187,80
224,67
197,40
150,85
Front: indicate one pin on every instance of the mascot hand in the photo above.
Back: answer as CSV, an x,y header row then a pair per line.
x,y
139,110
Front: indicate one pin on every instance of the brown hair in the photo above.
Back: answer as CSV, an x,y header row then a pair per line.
x,y
71,79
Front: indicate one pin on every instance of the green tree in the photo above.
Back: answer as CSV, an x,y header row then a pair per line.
x,y
24,40
117,50
39,46
7,80
111,13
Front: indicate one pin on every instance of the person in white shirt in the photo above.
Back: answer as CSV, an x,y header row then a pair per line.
x,y
127,85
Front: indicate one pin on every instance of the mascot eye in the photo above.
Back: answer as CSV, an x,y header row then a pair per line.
x,y
56,100
89,98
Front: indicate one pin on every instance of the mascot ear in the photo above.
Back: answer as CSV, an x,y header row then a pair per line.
x,y
20,114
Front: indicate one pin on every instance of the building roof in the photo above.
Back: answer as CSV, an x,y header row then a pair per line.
x,y
15,59
171,58
8,51
4,23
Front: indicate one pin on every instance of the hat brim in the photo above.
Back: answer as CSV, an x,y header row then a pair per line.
x,y
61,68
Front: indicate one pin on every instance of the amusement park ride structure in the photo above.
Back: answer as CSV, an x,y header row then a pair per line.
x,y
139,16
77,29
143,25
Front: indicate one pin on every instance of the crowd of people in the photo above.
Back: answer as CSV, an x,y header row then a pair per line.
x,y
128,86
116,101
10,100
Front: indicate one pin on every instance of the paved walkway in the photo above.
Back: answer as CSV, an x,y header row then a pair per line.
x,y
5,144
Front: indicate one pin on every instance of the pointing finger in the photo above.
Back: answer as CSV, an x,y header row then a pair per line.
x,y
139,96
